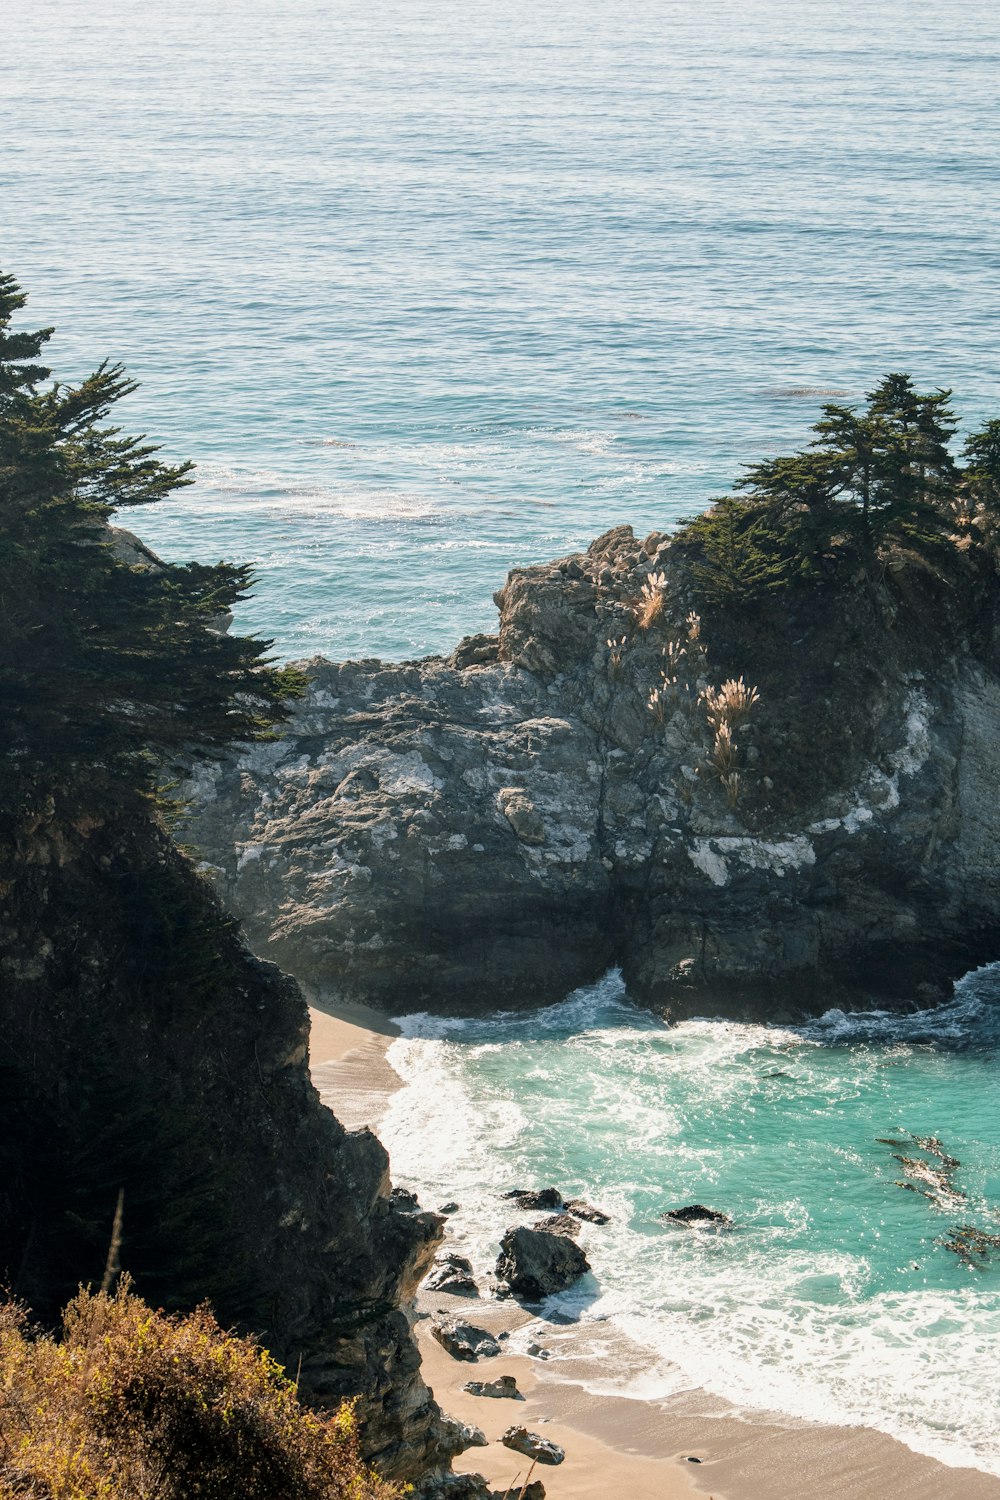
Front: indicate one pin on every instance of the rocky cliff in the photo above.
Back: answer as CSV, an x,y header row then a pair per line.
x,y
495,828
144,1049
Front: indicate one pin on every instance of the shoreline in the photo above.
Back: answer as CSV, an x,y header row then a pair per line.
x,y
619,1444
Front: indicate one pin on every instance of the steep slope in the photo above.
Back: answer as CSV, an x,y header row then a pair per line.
x,y
144,1049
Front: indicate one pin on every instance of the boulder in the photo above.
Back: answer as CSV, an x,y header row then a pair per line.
x,y
534,1198
538,1449
535,1264
463,1341
504,1387
581,1210
453,1274
533,1491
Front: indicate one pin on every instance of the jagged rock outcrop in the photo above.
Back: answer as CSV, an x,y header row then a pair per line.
x,y
143,1048
491,830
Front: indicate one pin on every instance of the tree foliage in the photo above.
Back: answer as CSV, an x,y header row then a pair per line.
x,y
107,668
873,482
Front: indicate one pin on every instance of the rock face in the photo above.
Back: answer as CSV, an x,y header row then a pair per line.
x,y
494,829
146,1049
536,1264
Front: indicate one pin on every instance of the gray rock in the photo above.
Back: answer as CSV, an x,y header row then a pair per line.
x,y
505,1386
464,1341
449,1208
535,1264
452,1273
538,1449
697,1216
587,1211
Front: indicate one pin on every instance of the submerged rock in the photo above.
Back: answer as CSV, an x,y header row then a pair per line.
x,y
535,1264
464,1341
538,1449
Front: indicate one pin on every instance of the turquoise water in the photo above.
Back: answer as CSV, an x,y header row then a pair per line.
x,y
432,288
834,1295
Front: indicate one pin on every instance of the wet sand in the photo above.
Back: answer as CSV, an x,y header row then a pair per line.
x,y
617,1446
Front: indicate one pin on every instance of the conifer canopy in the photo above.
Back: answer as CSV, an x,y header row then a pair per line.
x,y
873,482
109,668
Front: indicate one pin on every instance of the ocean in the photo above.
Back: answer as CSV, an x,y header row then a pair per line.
x,y
431,290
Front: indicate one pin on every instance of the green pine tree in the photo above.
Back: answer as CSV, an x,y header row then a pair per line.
x,y
107,671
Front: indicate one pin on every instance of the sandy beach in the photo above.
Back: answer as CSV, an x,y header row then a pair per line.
x,y
617,1446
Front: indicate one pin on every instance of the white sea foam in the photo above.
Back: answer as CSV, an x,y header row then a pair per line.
x,y
833,1298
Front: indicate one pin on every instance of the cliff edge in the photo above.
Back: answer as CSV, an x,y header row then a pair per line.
x,y
145,1050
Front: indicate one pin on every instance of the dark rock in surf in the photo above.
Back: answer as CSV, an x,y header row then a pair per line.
x,y
534,1198
559,1224
582,1210
536,1265
696,1215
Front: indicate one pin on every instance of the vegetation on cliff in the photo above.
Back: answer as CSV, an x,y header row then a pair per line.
x,y
130,1404
874,484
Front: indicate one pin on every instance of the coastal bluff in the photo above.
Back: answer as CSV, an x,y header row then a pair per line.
x,y
492,829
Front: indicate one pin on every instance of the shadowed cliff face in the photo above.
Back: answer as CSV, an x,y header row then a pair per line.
x,y
144,1049
493,829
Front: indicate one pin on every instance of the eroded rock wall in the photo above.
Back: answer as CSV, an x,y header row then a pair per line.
x,y
490,830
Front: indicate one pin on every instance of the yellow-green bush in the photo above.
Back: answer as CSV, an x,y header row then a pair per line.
x,y
130,1404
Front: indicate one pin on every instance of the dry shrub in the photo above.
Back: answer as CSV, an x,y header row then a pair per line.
x,y
730,704
649,606
134,1405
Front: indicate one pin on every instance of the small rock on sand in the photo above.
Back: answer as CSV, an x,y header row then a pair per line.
x,y
540,1450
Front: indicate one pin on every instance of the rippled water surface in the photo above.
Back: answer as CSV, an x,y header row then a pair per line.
x,y
430,289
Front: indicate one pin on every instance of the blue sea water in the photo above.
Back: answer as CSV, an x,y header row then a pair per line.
x,y
431,289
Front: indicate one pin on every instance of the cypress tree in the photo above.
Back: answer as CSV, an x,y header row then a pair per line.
x,y
108,670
